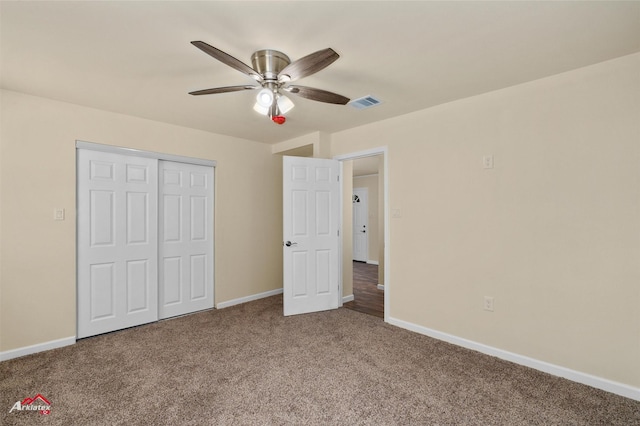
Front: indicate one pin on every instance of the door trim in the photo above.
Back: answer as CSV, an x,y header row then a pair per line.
x,y
383,150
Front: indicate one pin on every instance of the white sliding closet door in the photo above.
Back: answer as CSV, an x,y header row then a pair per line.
x,y
186,238
117,242
145,237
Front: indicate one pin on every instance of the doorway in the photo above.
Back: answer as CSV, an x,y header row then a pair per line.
x,y
369,277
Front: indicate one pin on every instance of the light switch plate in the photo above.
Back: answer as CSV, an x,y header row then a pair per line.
x,y
58,214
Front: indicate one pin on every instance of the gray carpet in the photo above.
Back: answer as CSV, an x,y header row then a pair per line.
x,y
248,365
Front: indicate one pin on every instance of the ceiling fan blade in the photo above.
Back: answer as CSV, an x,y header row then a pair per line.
x,y
318,95
222,90
308,65
227,59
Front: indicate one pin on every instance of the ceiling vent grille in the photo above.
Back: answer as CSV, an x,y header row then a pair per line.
x,y
365,102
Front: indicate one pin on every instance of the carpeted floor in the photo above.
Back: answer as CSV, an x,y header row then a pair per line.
x,y
248,365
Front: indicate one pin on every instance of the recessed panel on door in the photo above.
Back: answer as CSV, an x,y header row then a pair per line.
x,y
137,216
323,210
172,177
102,291
299,173
172,280
137,285
323,271
136,174
198,276
102,218
101,170
300,273
199,180
198,218
172,218
323,174
299,213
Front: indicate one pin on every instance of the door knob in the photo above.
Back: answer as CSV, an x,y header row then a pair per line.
x,y
289,244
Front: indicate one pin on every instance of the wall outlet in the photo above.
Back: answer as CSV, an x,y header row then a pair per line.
x,y
487,161
488,303
58,214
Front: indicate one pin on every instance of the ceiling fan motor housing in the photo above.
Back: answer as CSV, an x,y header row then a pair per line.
x,y
269,63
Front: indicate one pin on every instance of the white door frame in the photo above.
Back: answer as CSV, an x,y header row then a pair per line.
x,y
387,246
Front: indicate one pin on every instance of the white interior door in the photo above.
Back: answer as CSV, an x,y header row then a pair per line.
x,y
186,238
360,223
117,242
311,199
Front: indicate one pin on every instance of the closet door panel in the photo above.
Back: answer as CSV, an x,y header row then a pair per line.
x,y
117,242
186,238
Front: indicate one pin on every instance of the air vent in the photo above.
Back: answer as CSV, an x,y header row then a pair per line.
x,y
365,102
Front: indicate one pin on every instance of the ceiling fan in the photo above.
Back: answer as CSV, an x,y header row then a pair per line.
x,y
273,70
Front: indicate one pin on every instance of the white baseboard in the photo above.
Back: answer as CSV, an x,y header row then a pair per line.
x,y
348,298
372,262
246,299
40,347
556,370
381,287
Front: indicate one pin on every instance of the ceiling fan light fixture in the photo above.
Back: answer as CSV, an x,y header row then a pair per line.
x,y
265,97
284,104
260,109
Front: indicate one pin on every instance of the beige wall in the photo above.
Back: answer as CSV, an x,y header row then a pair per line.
x,y
37,173
371,183
552,232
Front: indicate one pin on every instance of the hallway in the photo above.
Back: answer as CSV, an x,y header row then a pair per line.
x,y
367,298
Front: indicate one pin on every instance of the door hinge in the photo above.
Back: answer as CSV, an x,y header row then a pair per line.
x,y
338,178
338,232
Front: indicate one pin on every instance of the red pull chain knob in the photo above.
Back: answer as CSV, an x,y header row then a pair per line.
x,y
279,119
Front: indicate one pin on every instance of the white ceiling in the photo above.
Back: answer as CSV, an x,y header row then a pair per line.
x,y
135,57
